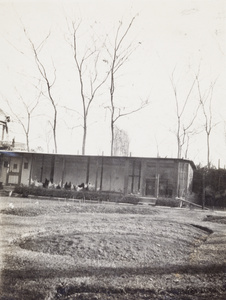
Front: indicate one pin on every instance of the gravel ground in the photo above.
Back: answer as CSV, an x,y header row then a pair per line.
x,y
68,250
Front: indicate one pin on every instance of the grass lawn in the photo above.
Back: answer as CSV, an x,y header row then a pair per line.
x,y
70,250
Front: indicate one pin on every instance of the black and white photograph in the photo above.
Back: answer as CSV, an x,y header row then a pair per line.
x,y
112,149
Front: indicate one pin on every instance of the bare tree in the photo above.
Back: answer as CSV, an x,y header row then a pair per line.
x,y
48,82
119,54
184,128
47,137
90,76
25,122
206,104
116,113
121,145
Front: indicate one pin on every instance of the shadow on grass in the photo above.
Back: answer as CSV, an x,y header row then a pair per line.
x,y
33,274
12,279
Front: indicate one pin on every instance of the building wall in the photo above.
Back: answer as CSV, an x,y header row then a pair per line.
x,y
158,177
59,169
36,167
75,169
167,178
185,175
11,167
26,169
134,176
94,172
151,177
113,174
3,168
190,179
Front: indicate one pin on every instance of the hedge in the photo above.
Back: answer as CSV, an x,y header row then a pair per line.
x,y
116,197
168,202
25,191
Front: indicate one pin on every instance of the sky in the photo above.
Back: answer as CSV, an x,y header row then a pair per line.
x,y
176,38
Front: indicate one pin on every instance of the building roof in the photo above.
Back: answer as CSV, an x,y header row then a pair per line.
x,y
13,153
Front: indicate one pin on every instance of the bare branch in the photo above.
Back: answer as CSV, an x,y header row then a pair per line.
x,y
143,105
43,73
29,110
206,104
118,57
91,83
182,131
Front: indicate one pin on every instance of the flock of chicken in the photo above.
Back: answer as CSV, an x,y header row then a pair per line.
x,y
67,186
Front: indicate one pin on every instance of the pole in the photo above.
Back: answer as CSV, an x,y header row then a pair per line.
x,y
203,190
3,128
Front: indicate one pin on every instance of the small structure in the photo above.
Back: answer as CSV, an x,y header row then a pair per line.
x,y
4,120
143,176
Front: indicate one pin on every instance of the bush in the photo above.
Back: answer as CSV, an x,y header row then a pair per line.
x,y
213,182
25,191
130,199
168,202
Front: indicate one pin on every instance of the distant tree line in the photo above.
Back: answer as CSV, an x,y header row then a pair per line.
x,y
209,185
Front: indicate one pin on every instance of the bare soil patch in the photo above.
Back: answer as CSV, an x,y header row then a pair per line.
x,y
68,250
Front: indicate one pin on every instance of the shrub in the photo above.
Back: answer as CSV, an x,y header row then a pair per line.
x,y
117,197
25,191
168,202
212,182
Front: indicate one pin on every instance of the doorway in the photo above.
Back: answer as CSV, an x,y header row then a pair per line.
x,y
14,171
150,187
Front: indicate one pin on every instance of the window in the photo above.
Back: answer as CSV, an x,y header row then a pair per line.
x,y
6,164
26,165
14,166
134,176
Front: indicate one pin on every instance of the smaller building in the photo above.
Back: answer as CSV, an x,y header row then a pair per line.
x,y
147,177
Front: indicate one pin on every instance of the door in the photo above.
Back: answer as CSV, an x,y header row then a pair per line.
x,y
14,171
150,187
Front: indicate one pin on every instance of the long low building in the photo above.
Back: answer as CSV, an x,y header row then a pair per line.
x,y
144,176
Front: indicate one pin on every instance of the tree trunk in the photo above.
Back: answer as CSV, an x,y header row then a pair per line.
x,y
27,142
84,138
112,136
203,190
208,150
54,129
